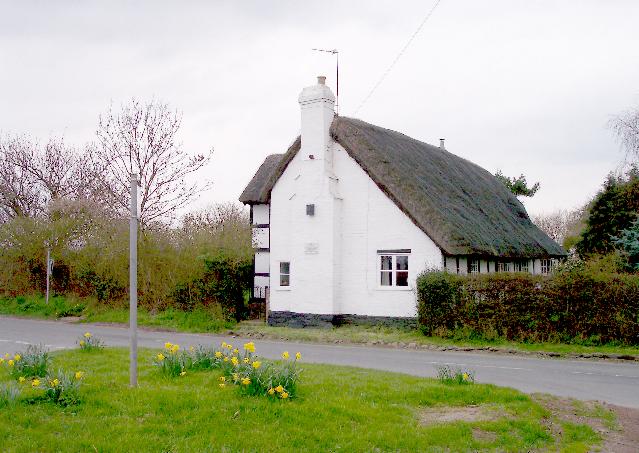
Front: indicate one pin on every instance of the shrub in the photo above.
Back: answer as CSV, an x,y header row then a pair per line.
x,y
449,375
90,343
34,361
579,302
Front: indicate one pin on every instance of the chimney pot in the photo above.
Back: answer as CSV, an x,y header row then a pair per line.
x,y
441,143
321,80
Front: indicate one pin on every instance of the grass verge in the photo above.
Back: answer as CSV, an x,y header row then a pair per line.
x,y
337,408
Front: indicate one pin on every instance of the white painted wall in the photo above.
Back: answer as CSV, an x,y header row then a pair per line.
x,y
260,214
262,262
261,238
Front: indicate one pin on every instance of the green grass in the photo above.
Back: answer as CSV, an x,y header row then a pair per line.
x,y
200,319
388,335
338,408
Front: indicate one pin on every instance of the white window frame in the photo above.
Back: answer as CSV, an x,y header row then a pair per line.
x,y
546,265
393,271
474,263
280,274
504,266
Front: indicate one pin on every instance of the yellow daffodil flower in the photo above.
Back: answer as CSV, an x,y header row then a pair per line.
x,y
35,382
17,357
234,361
257,364
250,346
160,357
226,359
87,335
465,376
182,373
191,348
1,360
229,346
285,355
10,362
271,391
298,355
224,344
246,381
218,354
82,343
246,360
279,389
284,395
79,375
54,383
168,345
222,379
236,351
222,385
235,376
21,379
175,348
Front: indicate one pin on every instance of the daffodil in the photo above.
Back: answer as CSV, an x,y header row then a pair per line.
x,y
222,385
182,373
17,357
21,379
229,346
79,375
285,355
218,354
160,357
1,360
257,364
224,344
35,382
246,360
236,351
271,391
10,362
298,355
465,376
175,348
222,379
234,361
87,335
82,343
168,345
279,389
226,359
284,395
236,376
246,381
54,383
250,346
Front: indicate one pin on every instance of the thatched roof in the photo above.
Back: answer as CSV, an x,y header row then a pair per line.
x,y
253,192
463,208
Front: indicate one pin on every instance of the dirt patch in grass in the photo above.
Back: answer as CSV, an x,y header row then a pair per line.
x,y
618,426
436,415
484,436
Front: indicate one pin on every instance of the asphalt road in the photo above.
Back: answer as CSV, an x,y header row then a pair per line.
x,y
612,382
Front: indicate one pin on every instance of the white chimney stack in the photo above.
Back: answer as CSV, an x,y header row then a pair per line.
x,y
317,104
441,144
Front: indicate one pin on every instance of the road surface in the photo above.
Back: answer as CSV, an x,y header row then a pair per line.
x,y
612,382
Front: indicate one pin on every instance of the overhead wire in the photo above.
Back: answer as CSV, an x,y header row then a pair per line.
x,y
399,55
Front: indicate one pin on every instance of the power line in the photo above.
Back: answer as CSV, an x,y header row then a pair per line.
x,y
399,55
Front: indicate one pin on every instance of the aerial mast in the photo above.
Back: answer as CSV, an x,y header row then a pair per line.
x,y
336,53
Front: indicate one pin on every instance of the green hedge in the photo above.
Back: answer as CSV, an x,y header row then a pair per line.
x,y
572,304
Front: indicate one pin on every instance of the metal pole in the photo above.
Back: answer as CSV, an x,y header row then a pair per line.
x,y
133,282
48,272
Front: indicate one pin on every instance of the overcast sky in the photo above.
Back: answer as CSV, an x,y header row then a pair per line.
x,y
522,86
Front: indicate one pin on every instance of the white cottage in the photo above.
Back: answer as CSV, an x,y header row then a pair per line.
x,y
348,217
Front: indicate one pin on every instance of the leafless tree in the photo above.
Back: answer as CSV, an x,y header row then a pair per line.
x,y
626,126
559,224
142,138
216,217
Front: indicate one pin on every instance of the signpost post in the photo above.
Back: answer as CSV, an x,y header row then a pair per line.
x,y
133,282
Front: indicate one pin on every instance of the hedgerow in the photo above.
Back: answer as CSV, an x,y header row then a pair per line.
x,y
576,303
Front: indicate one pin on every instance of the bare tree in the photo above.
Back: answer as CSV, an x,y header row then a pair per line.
x,y
559,224
142,138
626,126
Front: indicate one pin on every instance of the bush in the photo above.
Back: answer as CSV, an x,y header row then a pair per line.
x,y
578,303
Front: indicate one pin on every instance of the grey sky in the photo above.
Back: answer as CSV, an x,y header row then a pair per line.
x,y
523,86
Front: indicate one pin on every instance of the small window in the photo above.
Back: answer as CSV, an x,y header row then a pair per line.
x,y
473,266
522,266
393,270
503,266
285,273
547,266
